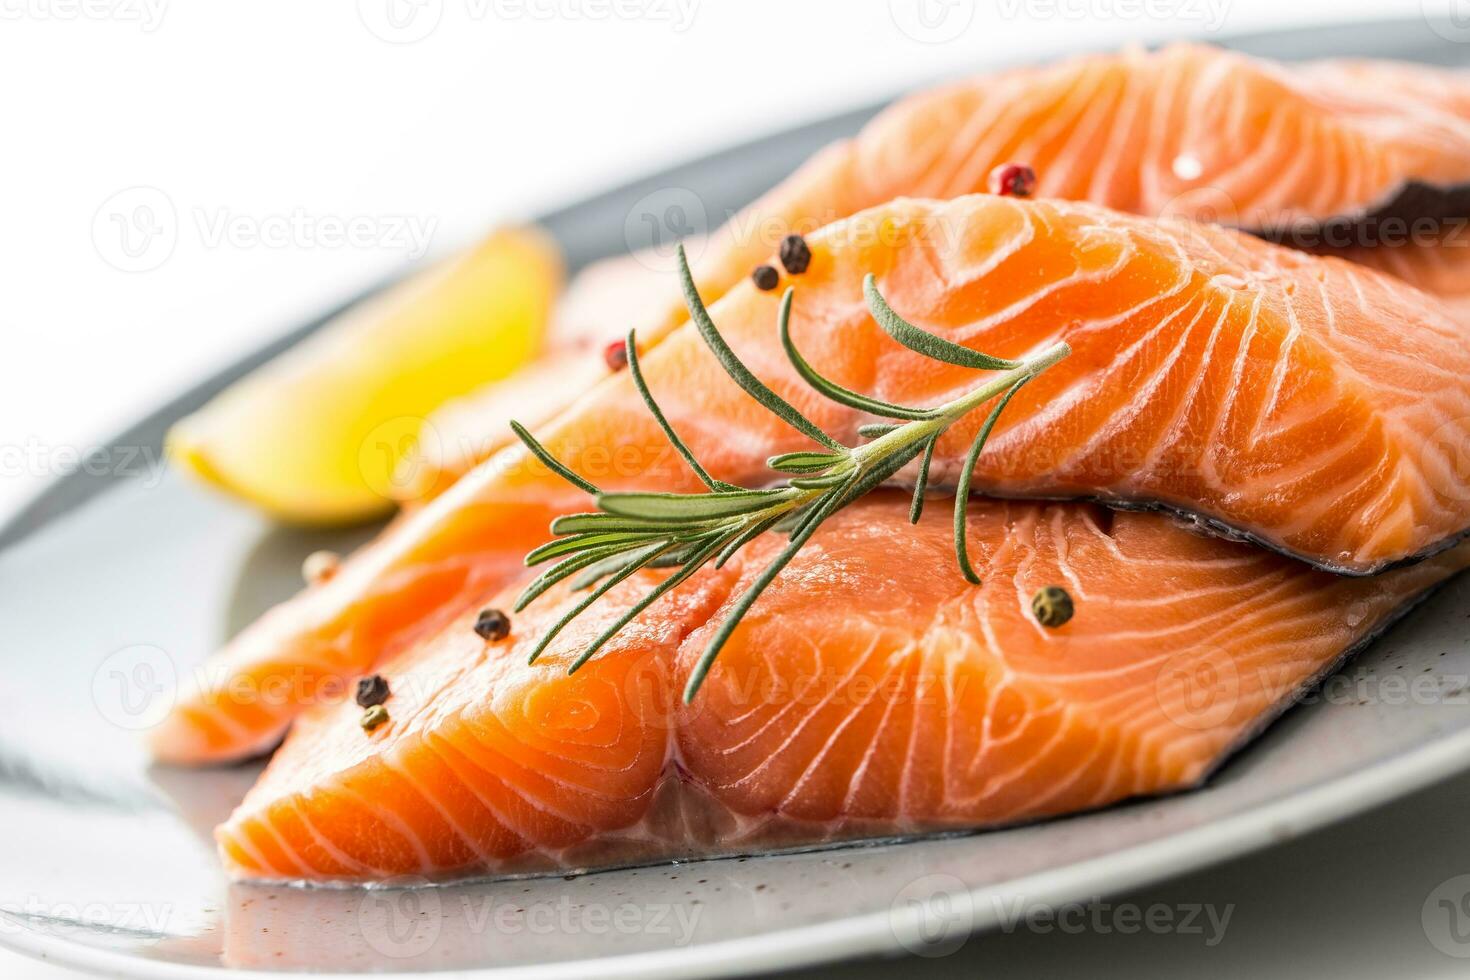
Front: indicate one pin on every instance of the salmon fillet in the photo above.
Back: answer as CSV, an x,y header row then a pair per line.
x,y
1307,403
1186,131
1438,264
862,697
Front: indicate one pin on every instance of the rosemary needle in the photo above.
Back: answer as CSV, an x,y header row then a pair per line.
x,y
631,531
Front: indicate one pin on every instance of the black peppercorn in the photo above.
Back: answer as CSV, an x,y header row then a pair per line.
x,y
492,625
1052,606
372,690
796,255
766,278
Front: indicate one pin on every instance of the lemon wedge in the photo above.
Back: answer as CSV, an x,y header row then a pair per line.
x,y
318,435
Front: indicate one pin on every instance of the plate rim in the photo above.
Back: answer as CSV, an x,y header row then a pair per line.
x,y
874,933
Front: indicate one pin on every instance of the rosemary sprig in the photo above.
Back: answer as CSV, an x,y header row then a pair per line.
x,y
631,531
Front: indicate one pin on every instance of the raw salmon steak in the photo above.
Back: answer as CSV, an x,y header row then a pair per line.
x,y
1329,153
1186,131
1305,403
872,692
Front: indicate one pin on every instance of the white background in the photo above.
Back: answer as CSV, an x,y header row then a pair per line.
x,y
249,113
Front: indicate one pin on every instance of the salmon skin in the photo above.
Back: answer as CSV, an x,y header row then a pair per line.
x,y
864,697
1313,405
1307,154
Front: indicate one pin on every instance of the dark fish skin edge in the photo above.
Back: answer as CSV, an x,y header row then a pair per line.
x,y
1211,526
1412,201
1272,714
1215,527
